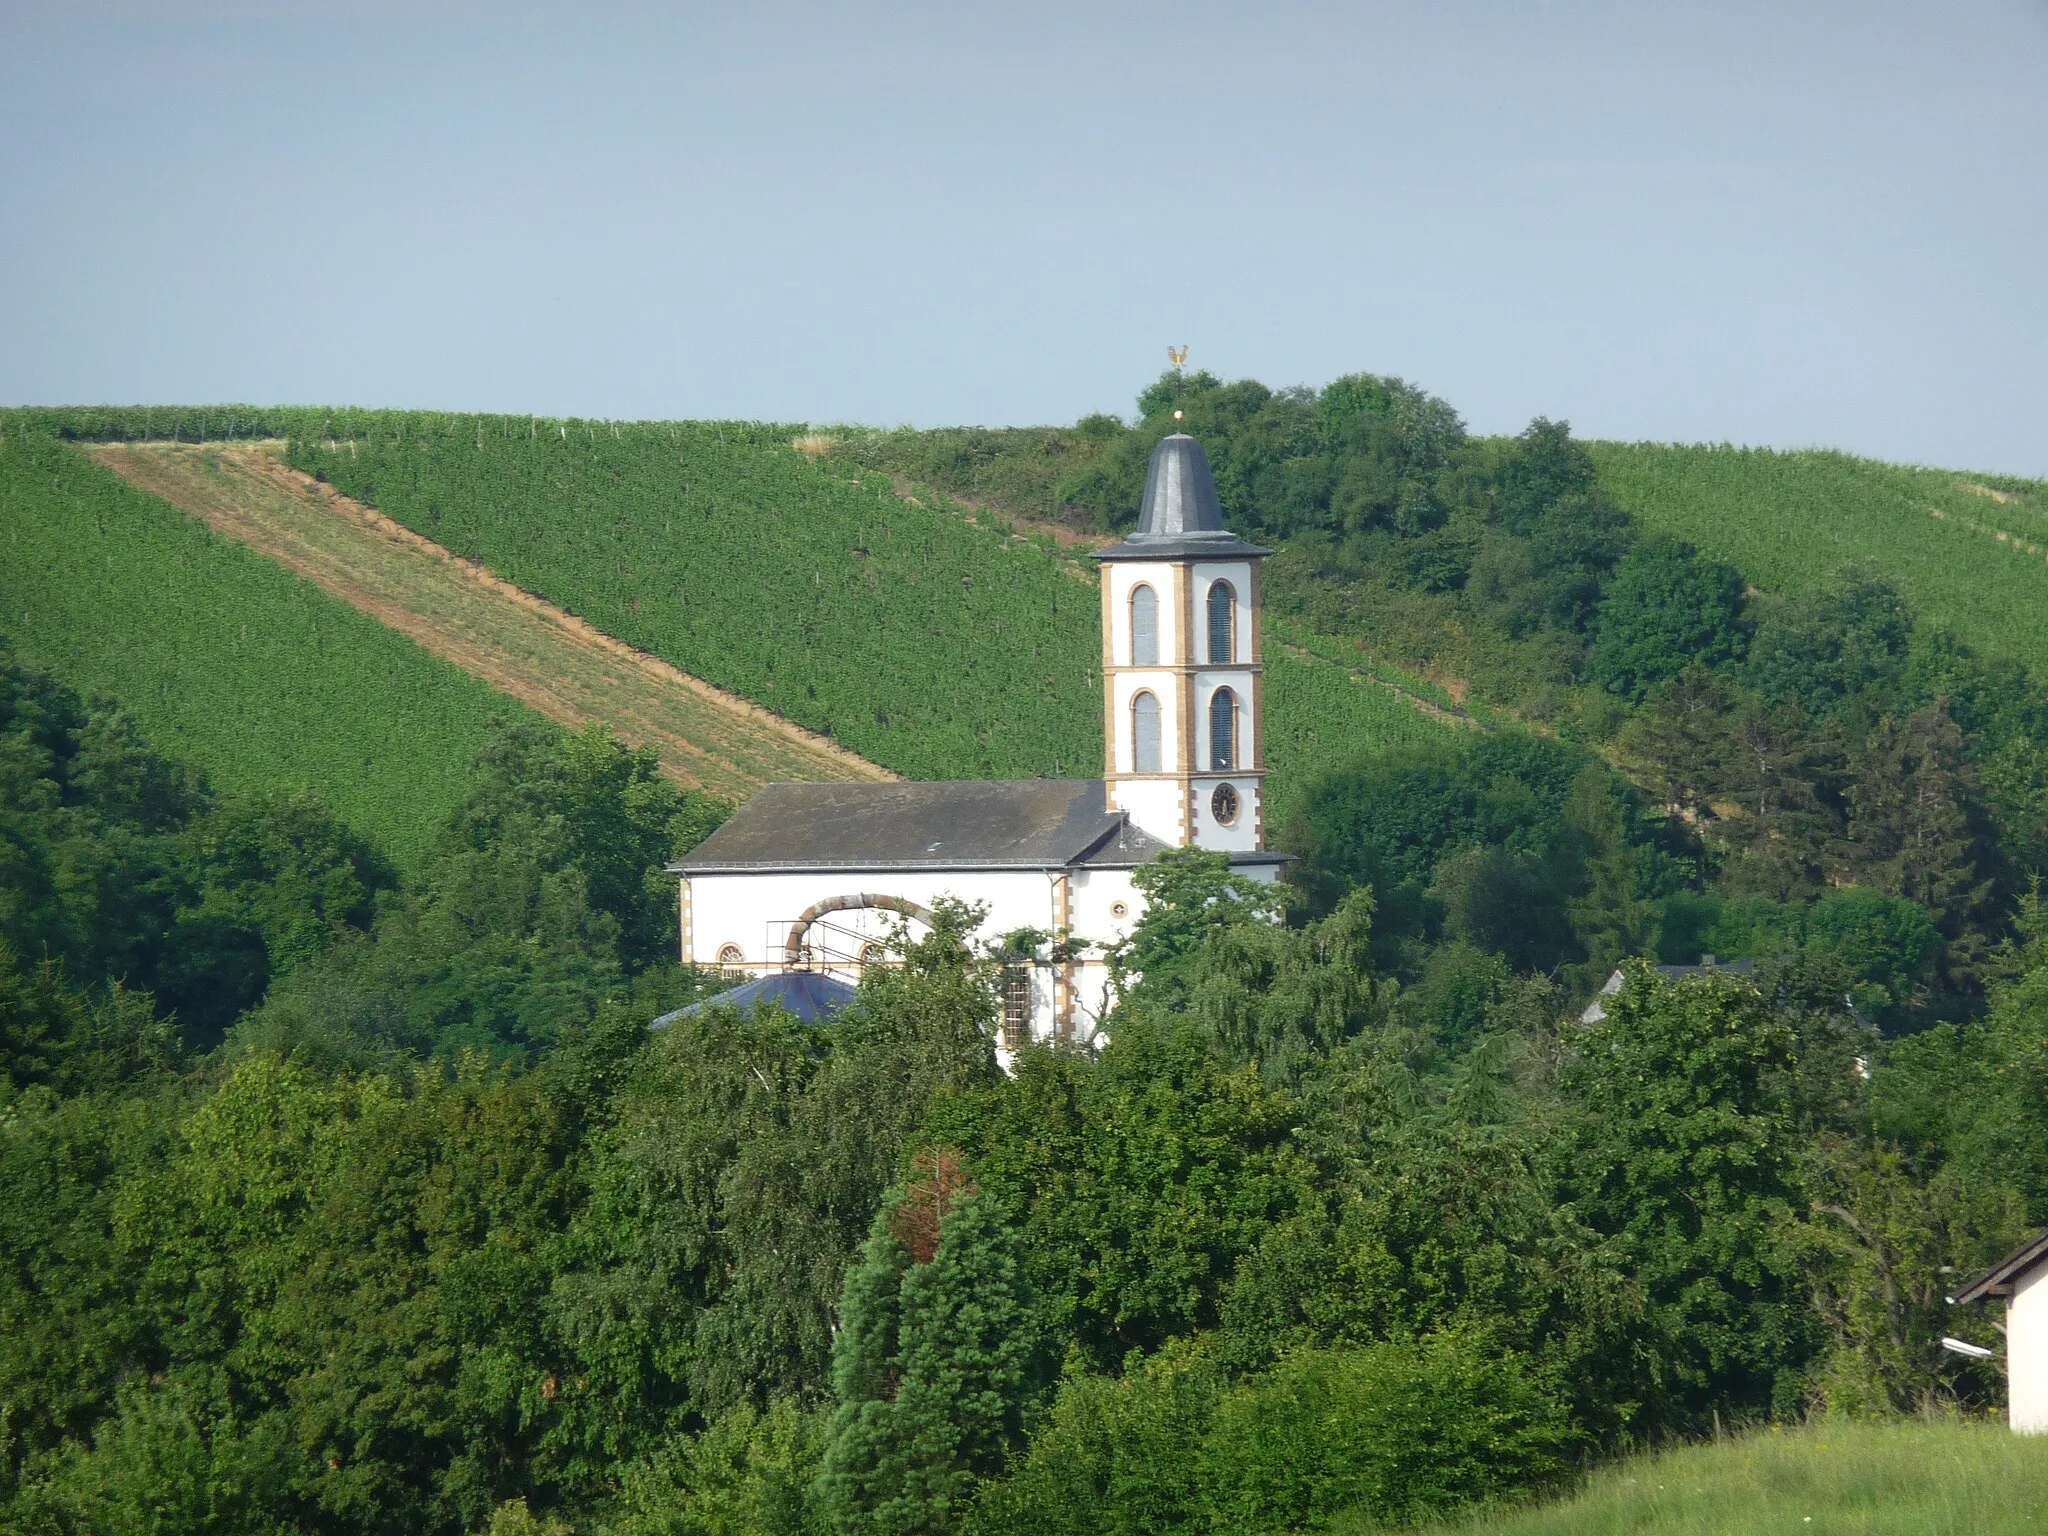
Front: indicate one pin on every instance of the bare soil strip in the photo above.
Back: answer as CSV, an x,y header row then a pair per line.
x,y
544,657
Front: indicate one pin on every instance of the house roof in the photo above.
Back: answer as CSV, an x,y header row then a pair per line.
x,y
2000,1279
1180,517
1708,966
973,824
810,995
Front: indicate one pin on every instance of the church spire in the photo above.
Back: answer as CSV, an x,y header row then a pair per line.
x,y
1183,695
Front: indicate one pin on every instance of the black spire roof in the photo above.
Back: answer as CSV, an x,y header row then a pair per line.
x,y
1180,517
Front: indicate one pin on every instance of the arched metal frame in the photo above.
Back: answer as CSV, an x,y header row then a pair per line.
x,y
793,946
1145,734
1222,624
1144,626
1223,731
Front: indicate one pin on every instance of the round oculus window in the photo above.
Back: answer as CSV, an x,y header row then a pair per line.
x,y
1223,805
1118,909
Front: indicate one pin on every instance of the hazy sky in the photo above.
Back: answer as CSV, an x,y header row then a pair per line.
x,y
1781,223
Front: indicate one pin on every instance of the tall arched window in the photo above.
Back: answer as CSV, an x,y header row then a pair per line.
x,y
1222,624
1145,734
1223,731
1144,627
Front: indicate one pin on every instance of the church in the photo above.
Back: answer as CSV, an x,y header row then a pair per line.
x,y
814,877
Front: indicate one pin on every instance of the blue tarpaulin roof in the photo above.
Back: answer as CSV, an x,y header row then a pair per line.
x,y
807,994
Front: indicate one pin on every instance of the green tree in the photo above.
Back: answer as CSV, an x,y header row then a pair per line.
x,y
1666,609
1611,918
933,1364
1681,1151
1918,829
1189,894
1823,649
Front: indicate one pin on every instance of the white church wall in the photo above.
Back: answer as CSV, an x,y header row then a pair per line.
x,y
1120,578
741,908
1155,805
1239,836
754,911
1125,687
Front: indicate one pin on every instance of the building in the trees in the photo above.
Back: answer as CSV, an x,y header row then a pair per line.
x,y
2022,1279
815,876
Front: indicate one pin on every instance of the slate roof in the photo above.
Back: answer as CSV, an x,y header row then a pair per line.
x,y
973,824
1180,517
809,995
2002,1276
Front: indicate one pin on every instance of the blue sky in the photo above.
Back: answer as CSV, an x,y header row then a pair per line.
x,y
1779,223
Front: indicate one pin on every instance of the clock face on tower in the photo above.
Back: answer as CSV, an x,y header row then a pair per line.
x,y
1223,805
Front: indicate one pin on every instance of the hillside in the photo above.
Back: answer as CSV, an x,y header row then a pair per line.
x,y
935,645
1970,551
226,659
523,648
1896,1478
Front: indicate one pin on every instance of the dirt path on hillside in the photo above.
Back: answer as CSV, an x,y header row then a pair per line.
x,y
530,650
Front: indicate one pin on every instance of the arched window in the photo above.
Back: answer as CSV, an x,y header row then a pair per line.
x,y
730,958
1223,730
1144,627
1222,624
1145,734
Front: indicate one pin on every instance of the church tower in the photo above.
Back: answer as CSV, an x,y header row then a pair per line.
x,y
1184,744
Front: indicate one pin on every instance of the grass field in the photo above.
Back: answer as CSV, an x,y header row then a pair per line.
x,y
226,659
1970,551
1907,1478
548,660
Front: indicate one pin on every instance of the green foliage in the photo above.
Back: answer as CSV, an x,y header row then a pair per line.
x,y
1189,894
1681,1151
1283,998
225,660
541,899
734,1187
932,1366
1514,844
1141,1177
1392,1432
1824,648
121,867
748,1474
1665,610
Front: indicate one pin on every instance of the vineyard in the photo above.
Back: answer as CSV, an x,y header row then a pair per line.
x,y
1969,551
228,661
547,660
932,645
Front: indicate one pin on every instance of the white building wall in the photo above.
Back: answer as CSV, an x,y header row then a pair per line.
x,y
2026,1352
1126,686
754,911
1242,835
1124,575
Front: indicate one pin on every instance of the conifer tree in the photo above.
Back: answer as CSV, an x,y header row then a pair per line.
x,y
932,1364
